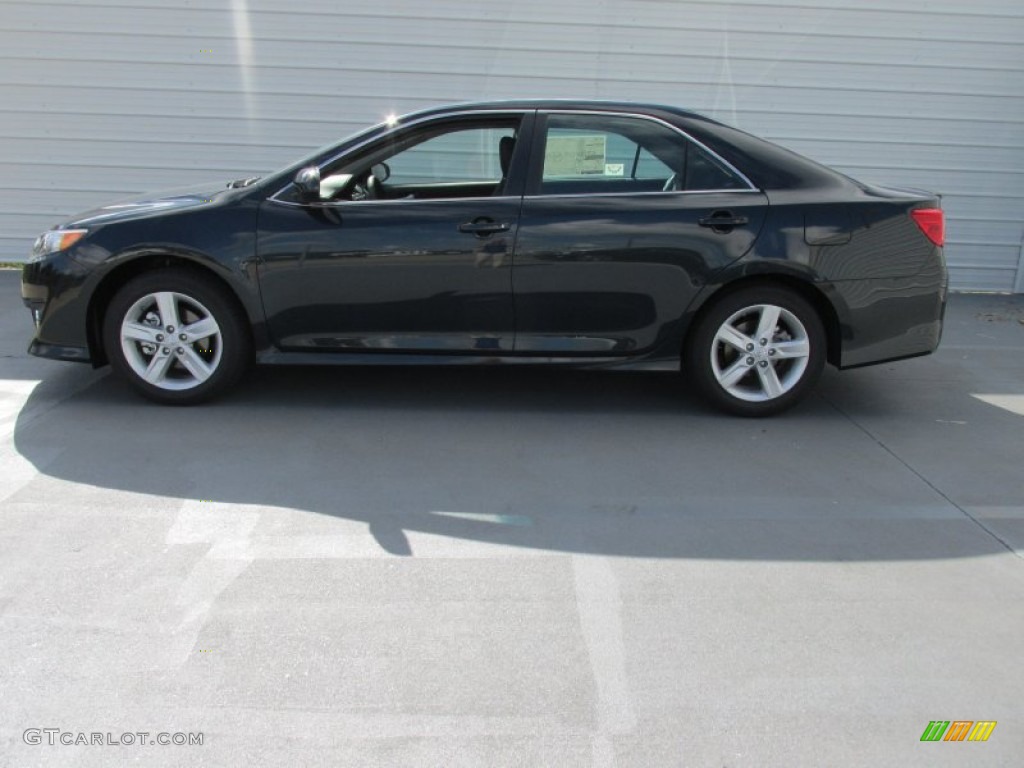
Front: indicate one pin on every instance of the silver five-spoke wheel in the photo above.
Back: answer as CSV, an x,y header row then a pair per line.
x,y
757,350
176,336
171,340
760,352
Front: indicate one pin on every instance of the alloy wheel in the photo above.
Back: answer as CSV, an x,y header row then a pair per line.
x,y
171,340
760,353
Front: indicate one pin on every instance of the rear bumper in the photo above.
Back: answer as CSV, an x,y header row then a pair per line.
x,y
890,318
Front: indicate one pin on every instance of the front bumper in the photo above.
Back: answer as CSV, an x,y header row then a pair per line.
x,y
53,290
34,298
59,352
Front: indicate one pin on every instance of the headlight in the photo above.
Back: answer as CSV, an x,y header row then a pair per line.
x,y
55,240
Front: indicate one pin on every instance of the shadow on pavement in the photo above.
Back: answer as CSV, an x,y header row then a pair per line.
x,y
571,461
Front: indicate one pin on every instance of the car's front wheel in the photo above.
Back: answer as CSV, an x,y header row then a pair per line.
x,y
756,351
175,338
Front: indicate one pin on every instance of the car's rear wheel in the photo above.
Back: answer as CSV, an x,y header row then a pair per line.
x,y
756,351
176,338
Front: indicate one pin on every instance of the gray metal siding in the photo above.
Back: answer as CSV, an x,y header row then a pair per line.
x,y
144,94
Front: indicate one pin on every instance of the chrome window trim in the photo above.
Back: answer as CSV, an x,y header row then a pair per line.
x,y
655,192
653,119
406,200
401,126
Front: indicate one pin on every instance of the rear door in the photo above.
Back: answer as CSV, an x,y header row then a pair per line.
x,y
623,221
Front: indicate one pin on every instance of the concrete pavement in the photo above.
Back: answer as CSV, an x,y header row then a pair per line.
x,y
515,568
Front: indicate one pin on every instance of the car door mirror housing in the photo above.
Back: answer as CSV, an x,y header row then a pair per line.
x,y
307,182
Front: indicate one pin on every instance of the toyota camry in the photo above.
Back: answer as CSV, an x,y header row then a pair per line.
x,y
531,232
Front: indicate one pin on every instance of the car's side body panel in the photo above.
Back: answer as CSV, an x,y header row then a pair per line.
x,y
217,237
612,279
614,274
884,280
388,275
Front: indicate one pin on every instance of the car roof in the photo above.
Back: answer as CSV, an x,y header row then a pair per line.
x,y
561,104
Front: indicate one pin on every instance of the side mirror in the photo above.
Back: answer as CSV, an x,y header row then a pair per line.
x,y
307,181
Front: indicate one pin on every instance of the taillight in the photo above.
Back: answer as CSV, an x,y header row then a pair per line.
x,y
932,222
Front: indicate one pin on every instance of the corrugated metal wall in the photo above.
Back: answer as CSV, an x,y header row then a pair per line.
x,y
102,98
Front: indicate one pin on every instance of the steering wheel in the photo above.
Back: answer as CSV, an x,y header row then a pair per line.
x,y
672,184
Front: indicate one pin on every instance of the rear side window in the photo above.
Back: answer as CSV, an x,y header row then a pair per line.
x,y
578,153
612,154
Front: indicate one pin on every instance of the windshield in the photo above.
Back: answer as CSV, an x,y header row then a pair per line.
x,y
318,156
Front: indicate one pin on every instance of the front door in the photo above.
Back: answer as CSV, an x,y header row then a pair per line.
x,y
408,248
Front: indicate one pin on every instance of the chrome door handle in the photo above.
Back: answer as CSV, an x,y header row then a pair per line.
x,y
484,227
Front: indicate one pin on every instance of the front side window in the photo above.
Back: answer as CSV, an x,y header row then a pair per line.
x,y
613,154
459,156
452,160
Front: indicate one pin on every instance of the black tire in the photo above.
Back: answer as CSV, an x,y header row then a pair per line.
x,y
182,371
728,379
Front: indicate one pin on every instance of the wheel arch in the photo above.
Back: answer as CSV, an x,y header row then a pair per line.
x,y
817,295
139,264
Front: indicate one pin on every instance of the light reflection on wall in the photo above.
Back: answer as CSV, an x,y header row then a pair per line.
x,y
243,49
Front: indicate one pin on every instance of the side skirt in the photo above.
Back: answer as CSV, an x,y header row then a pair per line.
x,y
277,357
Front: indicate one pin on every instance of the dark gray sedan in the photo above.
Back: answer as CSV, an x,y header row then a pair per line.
x,y
529,232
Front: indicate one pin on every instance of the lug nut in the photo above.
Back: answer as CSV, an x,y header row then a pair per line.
x,y
167,351
764,342
750,361
764,363
771,352
159,337
750,347
170,329
181,351
183,337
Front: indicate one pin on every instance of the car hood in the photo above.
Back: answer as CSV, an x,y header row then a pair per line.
x,y
151,203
